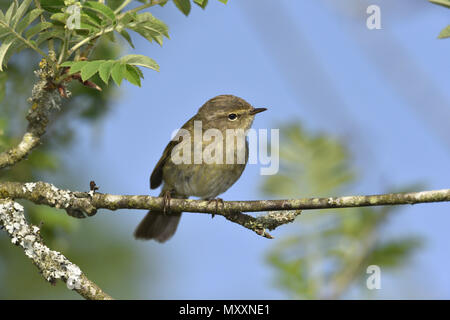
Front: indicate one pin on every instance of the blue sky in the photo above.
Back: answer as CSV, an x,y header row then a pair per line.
x,y
309,61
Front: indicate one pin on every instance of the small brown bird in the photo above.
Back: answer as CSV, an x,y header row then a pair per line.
x,y
204,179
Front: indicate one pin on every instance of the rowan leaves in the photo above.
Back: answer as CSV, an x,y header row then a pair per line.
x,y
74,27
123,68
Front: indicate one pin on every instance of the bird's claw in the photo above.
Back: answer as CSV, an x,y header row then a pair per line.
x,y
217,200
166,201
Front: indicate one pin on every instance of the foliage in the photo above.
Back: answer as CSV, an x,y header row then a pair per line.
x,y
125,67
329,251
185,5
71,28
445,33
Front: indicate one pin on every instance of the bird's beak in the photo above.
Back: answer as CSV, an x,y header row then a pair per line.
x,y
257,110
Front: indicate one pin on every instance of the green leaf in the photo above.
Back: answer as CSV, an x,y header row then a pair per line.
x,y
67,63
118,72
159,40
445,3
37,28
52,6
114,4
60,17
150,36
28,19
224,1
127,18
183,5
201,3
138,70
132,75
89,20
140,60
86,29
90,69
51,34
149,27
100,8
10,12
6,44
4,31
21,11
75,66
127,37
105,70
16,47
93,15
150,23
445,33
163,3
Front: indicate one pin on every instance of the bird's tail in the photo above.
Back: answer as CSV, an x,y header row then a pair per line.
x,y
158,225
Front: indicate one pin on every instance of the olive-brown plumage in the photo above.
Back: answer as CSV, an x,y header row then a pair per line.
x,y
203,180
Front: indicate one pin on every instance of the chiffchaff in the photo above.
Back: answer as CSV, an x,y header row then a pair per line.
x,y
196,175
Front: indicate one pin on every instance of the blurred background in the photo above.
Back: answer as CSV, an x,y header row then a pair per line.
x,y
359,111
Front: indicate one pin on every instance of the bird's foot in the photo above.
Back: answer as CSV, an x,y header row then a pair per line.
x,y
217,200
167,196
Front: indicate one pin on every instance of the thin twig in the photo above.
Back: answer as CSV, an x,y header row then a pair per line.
x,y
88,39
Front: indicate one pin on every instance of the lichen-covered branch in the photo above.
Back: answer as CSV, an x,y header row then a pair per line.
x,y
270,221
79,204
51,264
44,100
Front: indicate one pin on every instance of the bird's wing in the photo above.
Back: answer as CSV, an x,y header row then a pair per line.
x,y
157,174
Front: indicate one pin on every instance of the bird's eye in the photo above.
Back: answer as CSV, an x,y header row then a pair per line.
x,y
232,116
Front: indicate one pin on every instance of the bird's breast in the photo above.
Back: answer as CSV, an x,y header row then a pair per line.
x,y
206,180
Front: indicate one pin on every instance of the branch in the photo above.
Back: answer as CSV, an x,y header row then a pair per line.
x,y
43,100
79,204
52,264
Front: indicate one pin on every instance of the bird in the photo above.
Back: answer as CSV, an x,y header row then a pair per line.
x,y
203,179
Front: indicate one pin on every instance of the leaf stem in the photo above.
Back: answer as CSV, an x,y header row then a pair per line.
x,y
64,46
123,5
86,40
28,43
